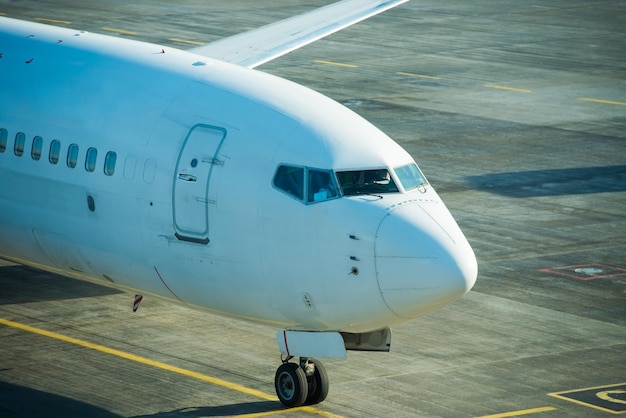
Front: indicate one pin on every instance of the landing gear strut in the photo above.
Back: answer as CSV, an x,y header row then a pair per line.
x,y
301,384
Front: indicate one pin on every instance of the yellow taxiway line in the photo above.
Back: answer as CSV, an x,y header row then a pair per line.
x,y
521,412
336,64
494,86
163,366
186,41
120,31
611,102
60,22
428,77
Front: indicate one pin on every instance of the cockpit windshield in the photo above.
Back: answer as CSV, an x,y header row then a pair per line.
x,y
313,185
366,182
410,177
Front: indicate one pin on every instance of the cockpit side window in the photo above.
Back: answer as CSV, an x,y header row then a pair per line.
x,y
321,186
410,177
290,180
366,182
316,184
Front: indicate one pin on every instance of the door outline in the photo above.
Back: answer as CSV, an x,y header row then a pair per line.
x,y
192,178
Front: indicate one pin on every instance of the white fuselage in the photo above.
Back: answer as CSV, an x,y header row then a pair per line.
x,y
188,208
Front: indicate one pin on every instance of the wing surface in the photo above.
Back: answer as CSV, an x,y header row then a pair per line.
x,y
258,46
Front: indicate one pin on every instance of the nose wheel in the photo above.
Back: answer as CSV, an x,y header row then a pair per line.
x,y
301,384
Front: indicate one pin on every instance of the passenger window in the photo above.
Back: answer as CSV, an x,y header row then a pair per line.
x,y
290,180
3,139
90,159
37,146
321,186
366,182
55,150
109,163
149,170
129,167
410,177
72,155
20,140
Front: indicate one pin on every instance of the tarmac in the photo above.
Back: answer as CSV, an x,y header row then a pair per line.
x,y
516,113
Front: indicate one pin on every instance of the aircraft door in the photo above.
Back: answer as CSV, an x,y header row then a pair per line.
x,y
196,161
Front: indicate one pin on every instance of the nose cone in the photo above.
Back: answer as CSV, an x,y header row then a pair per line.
x,y
423,260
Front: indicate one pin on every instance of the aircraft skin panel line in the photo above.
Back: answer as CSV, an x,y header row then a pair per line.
x,y
232,190
258,46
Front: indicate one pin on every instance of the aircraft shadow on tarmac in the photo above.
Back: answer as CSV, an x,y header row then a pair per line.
x,y
21,284
20,401
260,407
553,182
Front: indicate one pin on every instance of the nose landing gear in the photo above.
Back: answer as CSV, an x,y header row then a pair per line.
x,y
301,384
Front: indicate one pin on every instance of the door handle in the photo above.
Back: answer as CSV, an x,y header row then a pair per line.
x,y
187,177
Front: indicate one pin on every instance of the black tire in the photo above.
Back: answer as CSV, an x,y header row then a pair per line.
x,y
318,384
291,385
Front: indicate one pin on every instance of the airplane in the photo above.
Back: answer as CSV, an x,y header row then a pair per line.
x,y
191,175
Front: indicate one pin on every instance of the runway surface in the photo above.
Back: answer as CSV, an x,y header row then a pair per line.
x,y
515,111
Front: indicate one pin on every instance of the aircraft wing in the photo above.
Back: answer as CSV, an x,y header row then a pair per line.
x,y
258,46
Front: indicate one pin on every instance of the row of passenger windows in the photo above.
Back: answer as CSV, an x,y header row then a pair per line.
x,y
54,152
